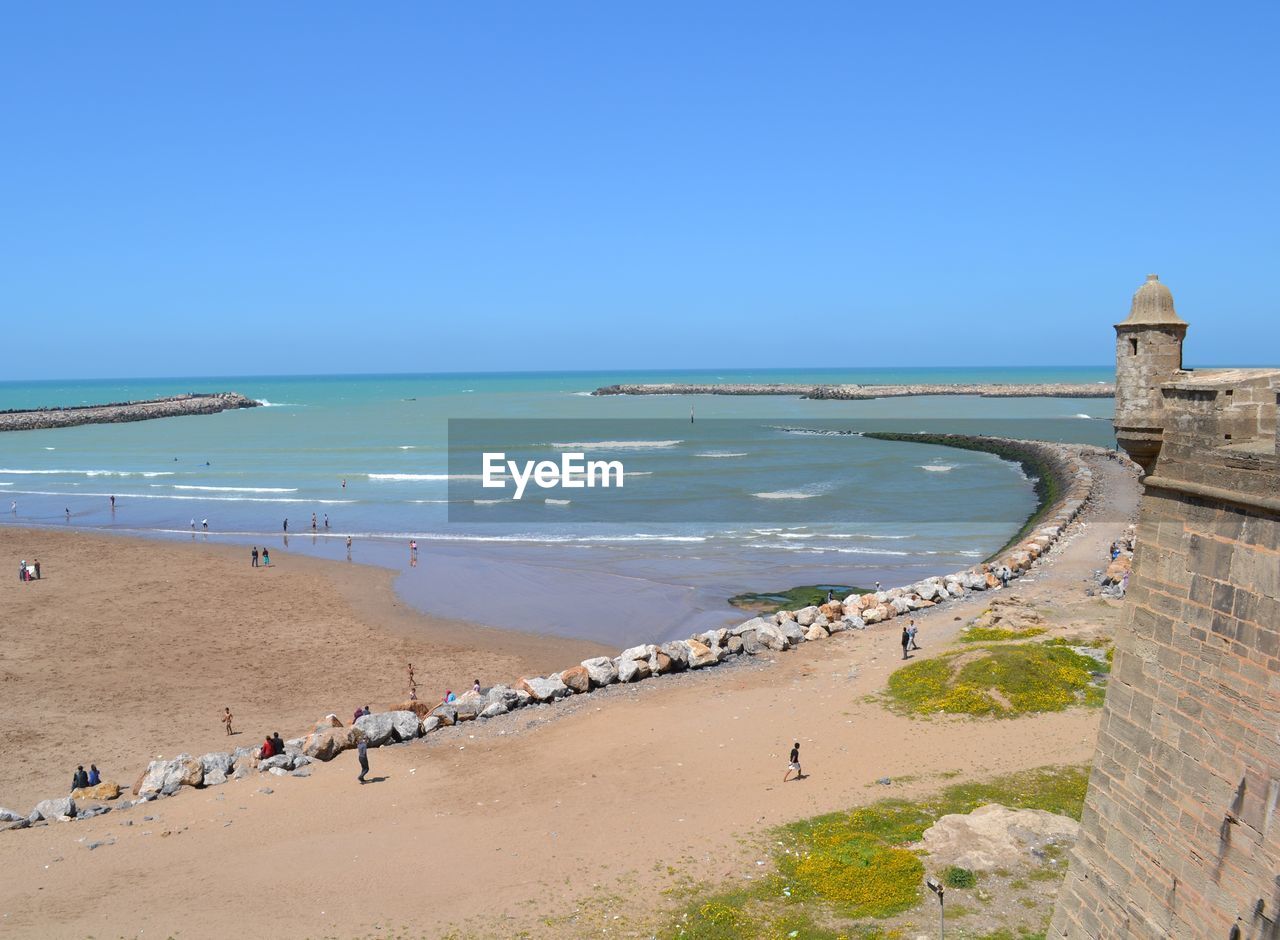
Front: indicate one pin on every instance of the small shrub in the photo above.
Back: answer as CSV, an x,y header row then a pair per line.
x,y
957,877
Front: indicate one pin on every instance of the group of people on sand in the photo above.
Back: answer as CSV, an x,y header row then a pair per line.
x,y
272,745
264,556
82,779
29,572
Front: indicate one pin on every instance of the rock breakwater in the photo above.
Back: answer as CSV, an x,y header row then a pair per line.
x,y
856,392
119,412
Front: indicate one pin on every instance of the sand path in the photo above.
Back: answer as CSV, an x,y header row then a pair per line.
x,y
492,830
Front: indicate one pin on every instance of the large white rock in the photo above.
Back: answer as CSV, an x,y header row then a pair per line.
x,y
701,655
806,615
217,762
792,630
544,689
770,636
638,652
601,670
995,836
632,670
755,623
377,729
816,632
678,652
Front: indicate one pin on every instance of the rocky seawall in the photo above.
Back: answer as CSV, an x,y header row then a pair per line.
x,y
855,392
119,412
1068,486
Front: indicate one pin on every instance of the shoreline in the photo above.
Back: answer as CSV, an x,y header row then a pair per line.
x,y
196,403
868,392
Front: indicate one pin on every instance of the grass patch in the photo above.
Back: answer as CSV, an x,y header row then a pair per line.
x,y
996,634
957,877
836,875
809,595
999,681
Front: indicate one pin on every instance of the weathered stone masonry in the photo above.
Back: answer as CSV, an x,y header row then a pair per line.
x,y
1181,829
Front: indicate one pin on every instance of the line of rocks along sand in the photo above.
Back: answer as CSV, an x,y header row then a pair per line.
x,y
490,827
120,412
855,392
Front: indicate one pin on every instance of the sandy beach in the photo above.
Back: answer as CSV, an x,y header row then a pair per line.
x,y
487,828
129,648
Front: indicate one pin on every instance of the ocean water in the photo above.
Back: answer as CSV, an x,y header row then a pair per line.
x,y
758,493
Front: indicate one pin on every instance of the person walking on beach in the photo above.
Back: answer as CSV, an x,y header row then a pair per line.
x,y
266,556
348,545
113,504
226,719
793,764
362,754
255,556
35,565
906,638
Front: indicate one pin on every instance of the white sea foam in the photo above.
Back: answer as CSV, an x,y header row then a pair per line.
x,y
581,394
938,467
614,445
231,489
1082,415
716,453
202,499
808,492
557,502
276,404
420,477
89,473
50,448
485,502
408,446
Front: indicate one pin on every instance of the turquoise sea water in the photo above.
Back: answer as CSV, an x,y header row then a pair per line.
x,y
742,499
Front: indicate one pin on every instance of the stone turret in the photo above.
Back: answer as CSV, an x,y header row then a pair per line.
x,y
1148,354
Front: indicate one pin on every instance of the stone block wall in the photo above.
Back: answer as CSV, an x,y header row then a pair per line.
x,y
1181,834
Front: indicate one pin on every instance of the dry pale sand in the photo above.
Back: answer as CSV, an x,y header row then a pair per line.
x,y
494,828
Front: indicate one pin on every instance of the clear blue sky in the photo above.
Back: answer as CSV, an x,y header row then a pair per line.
x,y
271,188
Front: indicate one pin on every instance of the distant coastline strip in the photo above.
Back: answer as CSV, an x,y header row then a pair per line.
x,y
857,392
119,412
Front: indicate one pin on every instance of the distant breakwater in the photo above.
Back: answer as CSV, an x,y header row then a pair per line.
x,y
862,392
34,419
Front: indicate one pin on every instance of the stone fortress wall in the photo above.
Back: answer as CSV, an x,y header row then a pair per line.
x,y
1181,835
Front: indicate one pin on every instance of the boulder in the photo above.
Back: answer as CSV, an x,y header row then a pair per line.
x,y
805,616
241,757
837,626
638,652
505,696
770,636
750,643
601,670
792,630
755,623
816,632
734,645
103,791
660,663
578,679
470,704
327,744
832,610
784,615
430,723
854,623
494,709
632,670
421,709
214,778
55,809
8,815
376,728
874,614
276,762
901,605
713,638
678,653
404,725
1117,570
701,655
217,761
328,721
168,776
994,836
448,714
545,689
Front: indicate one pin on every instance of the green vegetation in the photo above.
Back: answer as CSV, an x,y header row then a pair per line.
x,y
998,681
793,599
957,877
1050,483
836,875
996,634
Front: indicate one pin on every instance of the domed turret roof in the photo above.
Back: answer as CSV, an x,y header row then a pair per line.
x,y
1153,304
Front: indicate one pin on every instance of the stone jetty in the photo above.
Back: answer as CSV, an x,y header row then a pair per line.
x,y
1071,489
856,392
119,412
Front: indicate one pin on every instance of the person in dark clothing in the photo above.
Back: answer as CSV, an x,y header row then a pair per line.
x,y
362,752
80,778
793,764
906,638
254,556
358,715
36,565
276,744
95,778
